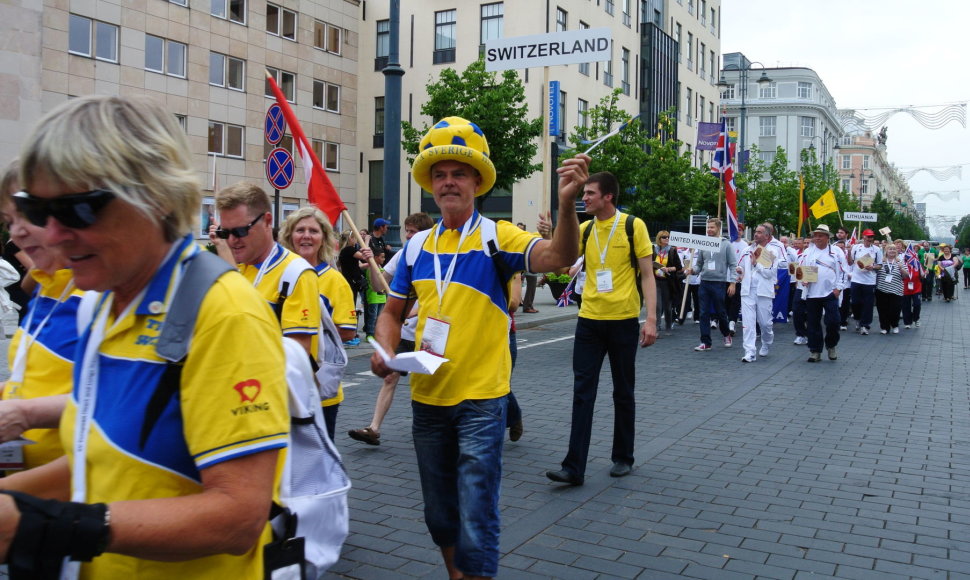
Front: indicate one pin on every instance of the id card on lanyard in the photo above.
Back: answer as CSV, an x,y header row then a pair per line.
x,y
604,276
434,339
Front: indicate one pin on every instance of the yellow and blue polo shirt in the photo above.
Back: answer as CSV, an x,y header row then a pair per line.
x,y
624,301
301,309
232,402
49,359
338,299
477,350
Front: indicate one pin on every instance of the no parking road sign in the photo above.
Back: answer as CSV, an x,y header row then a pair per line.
x,y
275,125
279,168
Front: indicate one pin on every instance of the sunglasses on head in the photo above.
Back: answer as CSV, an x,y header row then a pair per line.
x,y
77,210
240,232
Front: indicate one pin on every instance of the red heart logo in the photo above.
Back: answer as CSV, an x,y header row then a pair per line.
x,y
248,390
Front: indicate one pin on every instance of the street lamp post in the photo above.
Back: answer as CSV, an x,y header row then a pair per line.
x,y
743,69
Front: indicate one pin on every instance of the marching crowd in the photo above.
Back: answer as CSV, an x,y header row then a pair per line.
x,y
154,467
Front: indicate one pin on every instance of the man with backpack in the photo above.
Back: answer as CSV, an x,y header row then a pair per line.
x,y
457,272
619,282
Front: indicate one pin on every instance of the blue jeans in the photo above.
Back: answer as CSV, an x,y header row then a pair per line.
x,y
712,296
831,319
863,299
459,452
371,312
596,339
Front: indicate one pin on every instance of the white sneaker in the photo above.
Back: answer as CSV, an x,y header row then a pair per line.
x,y
728,341
703,347
713,324
843,327
864,330
895,330
917,324
906,327
763,351
801,340
883,332
731,326
748,358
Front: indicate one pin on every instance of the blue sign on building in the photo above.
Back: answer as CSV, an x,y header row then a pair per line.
x,y
554,119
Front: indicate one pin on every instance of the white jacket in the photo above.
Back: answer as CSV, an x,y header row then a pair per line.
x,y
756,279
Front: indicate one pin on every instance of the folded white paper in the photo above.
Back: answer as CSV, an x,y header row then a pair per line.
x,y
420,362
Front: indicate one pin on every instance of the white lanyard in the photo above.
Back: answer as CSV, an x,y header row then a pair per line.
x,y
28,338
596,238
441,284
264,267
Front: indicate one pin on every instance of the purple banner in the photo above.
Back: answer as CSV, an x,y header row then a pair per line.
x,y
707,134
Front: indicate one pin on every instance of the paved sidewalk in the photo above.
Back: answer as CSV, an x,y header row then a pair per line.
x,y
858,468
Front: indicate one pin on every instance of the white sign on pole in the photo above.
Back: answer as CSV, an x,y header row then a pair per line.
x,y
539,50
683,240
858,216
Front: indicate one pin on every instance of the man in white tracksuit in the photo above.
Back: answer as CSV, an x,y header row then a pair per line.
x,y
758,273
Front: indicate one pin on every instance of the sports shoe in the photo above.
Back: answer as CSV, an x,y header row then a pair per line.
x,y
731,326
801,340
815,357
895,330
917,324
563,476
620,469
728,341
864,331
713,324
703,347
832,353
883,331
907,327
858,328
352,342
748,358
697,322
764,351
843,327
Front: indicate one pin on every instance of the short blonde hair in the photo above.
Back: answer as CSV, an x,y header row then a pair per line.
x,y
327,250
659,235
129,145
244,193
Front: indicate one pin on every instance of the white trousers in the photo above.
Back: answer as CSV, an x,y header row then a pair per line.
x,y
756,309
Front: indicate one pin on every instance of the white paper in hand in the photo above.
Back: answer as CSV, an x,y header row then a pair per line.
x,y
420,362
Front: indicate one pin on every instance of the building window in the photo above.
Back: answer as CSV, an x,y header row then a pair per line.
x,y
383,49
689,106
731,124
690,51
846,161
700,107
444,36
562,20
583,66
164,56
713,65
327,37
713,21
182,120
286,81
226,71
234,10
766,156
864,186
690,7
378,115
286,142
847,185
280,21
678,30
804,90
768,91
326,96
93,38
865,162
625,71
609,7
807,126
328,153
225,140
582,114
766,126
702,13
562,117
608,72
626,14
493,19
701,50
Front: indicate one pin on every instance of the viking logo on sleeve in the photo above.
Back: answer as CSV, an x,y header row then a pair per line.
x,y
248,393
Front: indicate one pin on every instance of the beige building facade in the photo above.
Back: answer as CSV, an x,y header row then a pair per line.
x,y
206,60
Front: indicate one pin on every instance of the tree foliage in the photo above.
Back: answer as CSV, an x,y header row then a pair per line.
x,y
497,105
961,231
901,225
660,185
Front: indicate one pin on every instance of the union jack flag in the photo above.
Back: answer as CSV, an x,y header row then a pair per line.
x,y
566,298
722,166
912,261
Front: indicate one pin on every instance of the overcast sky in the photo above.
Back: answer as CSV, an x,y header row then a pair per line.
x,y
874,54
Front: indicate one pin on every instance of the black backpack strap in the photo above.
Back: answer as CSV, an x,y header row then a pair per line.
x,y
585,238
502,269
200,274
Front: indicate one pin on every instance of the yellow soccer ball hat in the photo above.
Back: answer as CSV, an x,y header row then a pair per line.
x,y
455,139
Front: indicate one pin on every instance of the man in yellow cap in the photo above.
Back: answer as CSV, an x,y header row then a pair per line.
x,y
459,273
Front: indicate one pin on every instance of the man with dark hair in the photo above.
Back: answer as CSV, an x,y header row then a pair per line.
x,y
377,236
716,271
608,323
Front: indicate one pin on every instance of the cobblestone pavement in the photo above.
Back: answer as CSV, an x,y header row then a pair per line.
x,y
858,468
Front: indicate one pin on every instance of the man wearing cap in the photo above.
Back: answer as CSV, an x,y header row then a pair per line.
x,y
866,260
822,269
459,271
377,243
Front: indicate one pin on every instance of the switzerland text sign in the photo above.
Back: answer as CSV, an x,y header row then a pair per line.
x,y
568,47
694,241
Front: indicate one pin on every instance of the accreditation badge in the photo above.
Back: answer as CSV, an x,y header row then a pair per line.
x,y
604,280
434,339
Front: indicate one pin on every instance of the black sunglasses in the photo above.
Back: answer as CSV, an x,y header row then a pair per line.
x,y
240,232
77,210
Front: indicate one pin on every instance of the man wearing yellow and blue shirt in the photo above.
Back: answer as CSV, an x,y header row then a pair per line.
x,y
244,238
608,323
459,412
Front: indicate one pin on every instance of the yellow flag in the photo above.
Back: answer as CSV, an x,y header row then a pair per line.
x,y
825,205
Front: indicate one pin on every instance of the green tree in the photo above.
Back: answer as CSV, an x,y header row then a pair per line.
x,y
497,105
769,192
660,184
901,225
961,231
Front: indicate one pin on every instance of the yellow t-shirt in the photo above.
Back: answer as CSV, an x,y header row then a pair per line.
x,y
301,309
49,360
624,300
232,402
338,299
474,305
